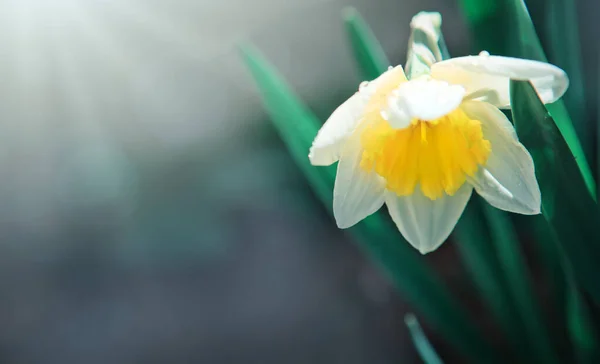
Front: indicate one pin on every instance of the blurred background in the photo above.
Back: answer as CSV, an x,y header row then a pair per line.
x,y
149,212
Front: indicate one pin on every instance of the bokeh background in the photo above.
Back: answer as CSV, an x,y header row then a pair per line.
x,y
149,212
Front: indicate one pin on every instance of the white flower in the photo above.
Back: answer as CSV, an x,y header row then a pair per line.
x,y
420,146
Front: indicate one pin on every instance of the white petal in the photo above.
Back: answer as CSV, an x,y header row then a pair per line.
x,y
487,77
327,146
427,223
507,181
357,193
423,99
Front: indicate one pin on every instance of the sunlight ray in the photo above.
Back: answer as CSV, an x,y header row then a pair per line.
x,y
181,37
100,40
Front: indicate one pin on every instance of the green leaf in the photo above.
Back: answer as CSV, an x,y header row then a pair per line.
x,y
516,274
583,334
565,51
296,124
558,30
504,27
480,259
422,344
566,202
368,53
575,313
572,309
376,235
552,259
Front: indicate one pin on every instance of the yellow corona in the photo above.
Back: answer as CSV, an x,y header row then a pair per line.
x,y
436,155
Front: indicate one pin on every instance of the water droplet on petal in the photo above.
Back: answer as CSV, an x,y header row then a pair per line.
x,y
484,53
363,85
390,68
385,115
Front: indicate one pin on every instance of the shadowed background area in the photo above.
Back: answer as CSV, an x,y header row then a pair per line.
x,y
149,211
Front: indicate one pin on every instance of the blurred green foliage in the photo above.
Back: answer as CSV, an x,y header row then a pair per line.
x,y
424,348
368,53
566,204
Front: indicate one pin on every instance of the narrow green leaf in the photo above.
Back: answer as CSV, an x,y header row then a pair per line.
x,y
515,272
583,335
565,51
566,202
558,111
480,259
504,27
571,318
296,124
422,344
552,259
368,53
375,235
598,124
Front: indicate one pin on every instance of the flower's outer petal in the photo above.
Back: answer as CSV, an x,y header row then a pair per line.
x,y
427,223
422,99
487,77
507,180
328,144
357,193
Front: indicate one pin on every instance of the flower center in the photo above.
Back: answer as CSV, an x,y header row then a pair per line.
x,y
437,155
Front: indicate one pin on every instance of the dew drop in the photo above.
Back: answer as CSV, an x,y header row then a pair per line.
x,y
484,53
385,115
390,68
363,85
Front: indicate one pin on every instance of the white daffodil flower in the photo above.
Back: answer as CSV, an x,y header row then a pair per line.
x,y
422,145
